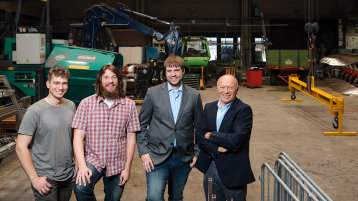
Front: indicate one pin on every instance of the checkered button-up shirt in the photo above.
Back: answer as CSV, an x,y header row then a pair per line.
x,y
106,131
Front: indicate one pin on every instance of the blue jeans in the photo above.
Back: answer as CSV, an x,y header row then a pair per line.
x,y
111,188
173,171
222,193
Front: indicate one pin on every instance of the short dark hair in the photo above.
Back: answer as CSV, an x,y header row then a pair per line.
x,y
98,84
58,71
174,60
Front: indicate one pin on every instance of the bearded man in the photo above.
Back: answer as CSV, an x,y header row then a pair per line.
x,y
110,122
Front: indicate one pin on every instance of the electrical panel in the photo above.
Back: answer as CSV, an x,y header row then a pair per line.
x,y
30,48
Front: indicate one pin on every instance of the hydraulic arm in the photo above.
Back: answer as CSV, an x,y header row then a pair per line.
x,y
102,16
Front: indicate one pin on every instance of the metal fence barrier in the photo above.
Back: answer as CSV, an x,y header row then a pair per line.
x,y
289,182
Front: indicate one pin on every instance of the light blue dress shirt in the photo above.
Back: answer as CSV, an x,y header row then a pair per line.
x,y
221,113
175,101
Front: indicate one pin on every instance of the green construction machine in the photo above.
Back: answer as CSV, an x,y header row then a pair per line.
x,y
84,65
28,56
26,65
196,54
29,52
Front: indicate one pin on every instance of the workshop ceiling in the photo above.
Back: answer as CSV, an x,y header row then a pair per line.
x,y
199,15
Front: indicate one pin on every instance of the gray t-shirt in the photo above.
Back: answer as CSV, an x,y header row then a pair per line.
x,y
52,138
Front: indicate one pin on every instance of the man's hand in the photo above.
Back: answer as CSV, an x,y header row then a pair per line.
x,y
41,185
207,135
222,149
83,174
124,177
193,161
75,170
147,162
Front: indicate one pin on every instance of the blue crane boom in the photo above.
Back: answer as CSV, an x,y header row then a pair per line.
x,y
102,16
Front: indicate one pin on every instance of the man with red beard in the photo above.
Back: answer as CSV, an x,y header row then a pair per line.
x,y
109,121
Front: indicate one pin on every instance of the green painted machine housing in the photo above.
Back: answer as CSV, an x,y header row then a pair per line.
x,y
9,45
84,65
195,51
22,80
287,58
21,76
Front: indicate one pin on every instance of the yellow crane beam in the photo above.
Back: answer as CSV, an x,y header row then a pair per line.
x,y
335,104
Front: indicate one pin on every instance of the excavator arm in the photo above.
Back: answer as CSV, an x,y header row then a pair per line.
x,y
102,16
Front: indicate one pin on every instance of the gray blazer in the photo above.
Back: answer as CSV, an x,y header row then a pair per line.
x,y
158,127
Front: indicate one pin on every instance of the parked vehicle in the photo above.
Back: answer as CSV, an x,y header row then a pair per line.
x,y
282,63
196,54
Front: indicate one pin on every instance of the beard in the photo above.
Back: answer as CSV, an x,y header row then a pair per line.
x,y
110,94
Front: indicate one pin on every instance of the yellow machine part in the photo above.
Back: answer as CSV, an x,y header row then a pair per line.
x,y
335,104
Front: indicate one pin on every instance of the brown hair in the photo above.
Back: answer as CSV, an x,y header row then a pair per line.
x,y
174,60
58,71
98,84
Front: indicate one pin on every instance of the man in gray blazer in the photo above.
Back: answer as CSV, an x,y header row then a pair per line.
x,y
169,113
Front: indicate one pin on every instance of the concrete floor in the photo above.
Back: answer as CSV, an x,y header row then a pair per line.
x,y
292,127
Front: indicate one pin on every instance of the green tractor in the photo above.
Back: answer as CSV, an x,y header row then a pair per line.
x,y
196,54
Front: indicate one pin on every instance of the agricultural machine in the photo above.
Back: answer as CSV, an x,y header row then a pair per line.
x,y
196,54
282,63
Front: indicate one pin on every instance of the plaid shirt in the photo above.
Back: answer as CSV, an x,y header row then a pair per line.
x,y
106,129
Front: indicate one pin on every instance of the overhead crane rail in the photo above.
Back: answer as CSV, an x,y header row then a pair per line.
x,y
335,104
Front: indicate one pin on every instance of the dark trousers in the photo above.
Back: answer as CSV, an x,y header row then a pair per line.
x,y
218,188
60,191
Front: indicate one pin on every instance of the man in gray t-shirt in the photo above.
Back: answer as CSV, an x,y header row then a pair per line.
x,y
48,124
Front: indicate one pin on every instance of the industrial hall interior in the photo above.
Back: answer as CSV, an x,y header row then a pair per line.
x,y
179,100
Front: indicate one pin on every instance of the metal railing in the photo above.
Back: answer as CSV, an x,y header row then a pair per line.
x,y
289,182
